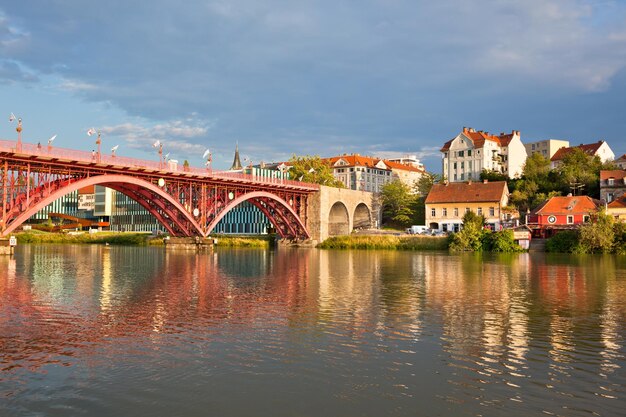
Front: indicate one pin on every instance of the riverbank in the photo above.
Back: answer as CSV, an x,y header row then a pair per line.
x,y
134,239
403,242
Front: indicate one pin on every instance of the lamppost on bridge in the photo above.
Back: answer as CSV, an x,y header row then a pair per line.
x,y
18,129
159,144
92,132
209,158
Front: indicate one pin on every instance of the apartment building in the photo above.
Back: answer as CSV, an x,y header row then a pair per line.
x,y
612,185
547,147
469,153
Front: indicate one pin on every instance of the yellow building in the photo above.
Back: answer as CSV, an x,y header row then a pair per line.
x,y
617,209
448,202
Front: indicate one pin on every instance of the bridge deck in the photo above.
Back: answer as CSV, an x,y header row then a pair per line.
x,y
60,158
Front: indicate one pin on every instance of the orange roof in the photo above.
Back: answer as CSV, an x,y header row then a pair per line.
x,y
355,160
619,203
622,158
467,192
616,174
478,138
405,167
590,149
567,205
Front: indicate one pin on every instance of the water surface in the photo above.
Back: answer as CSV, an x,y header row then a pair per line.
x,y
130,331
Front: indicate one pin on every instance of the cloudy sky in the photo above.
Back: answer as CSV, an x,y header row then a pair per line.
x,y
376,77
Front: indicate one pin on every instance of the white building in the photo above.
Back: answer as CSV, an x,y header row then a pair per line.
x,y
471,152
599,148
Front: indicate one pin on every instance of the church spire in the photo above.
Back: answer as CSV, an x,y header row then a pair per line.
x,y
236,166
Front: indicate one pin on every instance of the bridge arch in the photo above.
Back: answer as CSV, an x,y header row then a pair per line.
x,y
280,213
338,220
362,217
169,212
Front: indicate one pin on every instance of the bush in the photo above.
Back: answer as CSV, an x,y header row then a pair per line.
x,y
470,238
502,241
564,242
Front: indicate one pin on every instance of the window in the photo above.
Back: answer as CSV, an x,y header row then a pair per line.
x,y
570,219
461,153
609,197
454,177
479,211
433,212
462,176
469,165
586,218
469,176
462,165
469,152
611,181
533,146
454,165
467,209
456,212
492,211
444,212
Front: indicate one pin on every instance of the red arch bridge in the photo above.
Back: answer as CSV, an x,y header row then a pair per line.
x,y
187,202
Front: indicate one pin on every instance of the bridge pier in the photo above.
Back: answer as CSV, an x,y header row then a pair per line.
x,y
189,243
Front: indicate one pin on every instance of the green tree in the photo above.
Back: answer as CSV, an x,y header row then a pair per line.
x,y
397,200
425,183
491,175
313,169
579,173
598,235
471,236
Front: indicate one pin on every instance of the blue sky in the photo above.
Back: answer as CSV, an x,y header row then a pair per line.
x,y
320,77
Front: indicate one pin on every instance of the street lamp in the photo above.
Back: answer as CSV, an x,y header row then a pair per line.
x,y
12,117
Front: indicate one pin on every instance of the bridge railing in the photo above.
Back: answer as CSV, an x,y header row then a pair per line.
x,y
44,151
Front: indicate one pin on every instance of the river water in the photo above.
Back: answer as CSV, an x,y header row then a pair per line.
x,y
134,331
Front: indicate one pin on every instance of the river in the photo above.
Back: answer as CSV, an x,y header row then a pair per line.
x,y
140,331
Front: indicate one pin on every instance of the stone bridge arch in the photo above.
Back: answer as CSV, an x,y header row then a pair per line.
x,y
335,211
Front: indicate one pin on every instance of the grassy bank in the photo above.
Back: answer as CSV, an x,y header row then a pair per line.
x,y
263,241
385,242
112,238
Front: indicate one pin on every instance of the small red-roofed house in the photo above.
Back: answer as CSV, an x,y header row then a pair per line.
x,y
612,185
617,208
561,213
448,202
621,161
599,148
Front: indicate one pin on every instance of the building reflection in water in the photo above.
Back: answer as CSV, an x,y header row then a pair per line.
x,y
520,323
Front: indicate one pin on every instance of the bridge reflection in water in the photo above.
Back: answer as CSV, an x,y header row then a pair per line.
x,y
310,332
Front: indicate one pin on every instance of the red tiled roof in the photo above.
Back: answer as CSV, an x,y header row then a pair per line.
x,y
616,174
622,158
90,189
589,149
567,205
619,203
355,160
479,138
405,167
463,192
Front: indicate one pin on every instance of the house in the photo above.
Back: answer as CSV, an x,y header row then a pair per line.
x,y
621,161
561,213
599,148
612,185
547,147
470,152
617,208
367,173
448,202
362,173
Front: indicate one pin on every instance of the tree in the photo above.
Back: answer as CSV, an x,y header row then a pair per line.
x,y
471,236
579,173
425,183
313,169
397,200
493,176
598,235
537,184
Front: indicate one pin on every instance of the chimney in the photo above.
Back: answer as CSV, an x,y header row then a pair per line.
x,y
464,129
472,130
501,133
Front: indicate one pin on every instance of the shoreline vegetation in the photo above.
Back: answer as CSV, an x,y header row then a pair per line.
x,y
406,242
133,238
